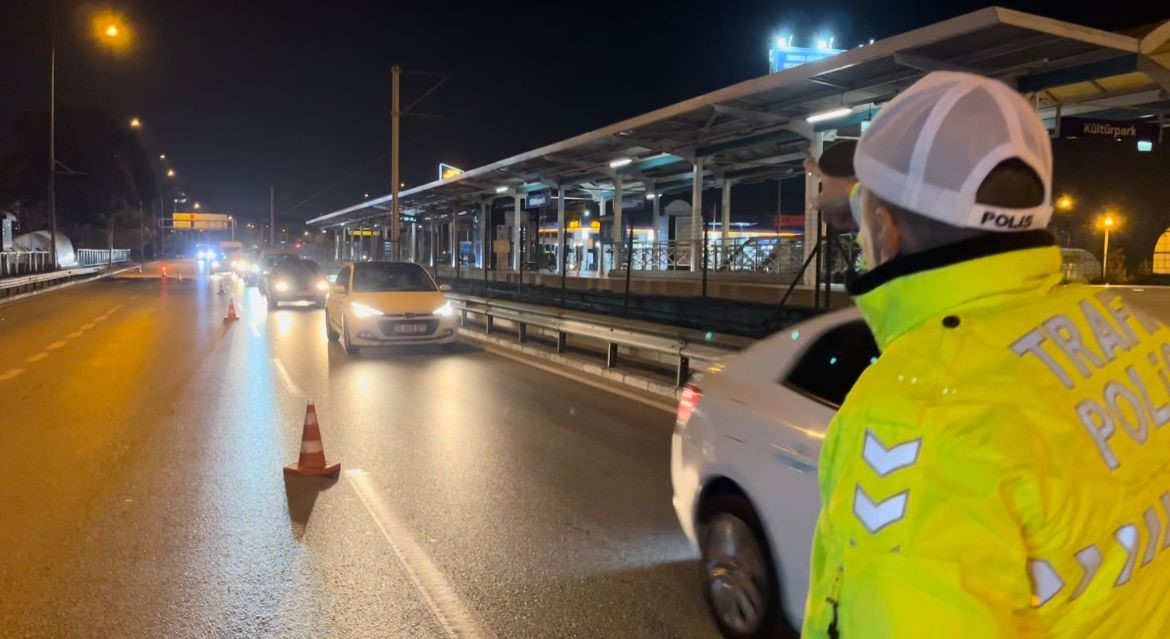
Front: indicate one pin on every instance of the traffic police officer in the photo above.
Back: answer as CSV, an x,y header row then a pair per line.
x,y
1003,469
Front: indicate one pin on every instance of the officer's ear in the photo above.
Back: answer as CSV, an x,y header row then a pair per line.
x,y
887,237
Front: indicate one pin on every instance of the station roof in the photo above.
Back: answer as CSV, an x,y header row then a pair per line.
x,y
758,129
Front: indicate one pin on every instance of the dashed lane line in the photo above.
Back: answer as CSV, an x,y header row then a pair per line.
x,y
452,613
10,373
86,327
35,358
73,335
292,387
55,345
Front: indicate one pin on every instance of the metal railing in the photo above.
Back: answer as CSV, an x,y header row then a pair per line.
x,y
94,257
23,262
611,334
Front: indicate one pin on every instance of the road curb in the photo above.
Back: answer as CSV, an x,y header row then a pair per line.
x,y
4,301
634,381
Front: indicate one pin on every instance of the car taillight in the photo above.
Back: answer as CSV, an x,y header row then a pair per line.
x,y
688,402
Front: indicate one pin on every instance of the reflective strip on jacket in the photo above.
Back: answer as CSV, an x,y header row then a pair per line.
x,y
1002,469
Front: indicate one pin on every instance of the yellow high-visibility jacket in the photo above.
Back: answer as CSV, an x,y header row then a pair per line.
x,y
1003,469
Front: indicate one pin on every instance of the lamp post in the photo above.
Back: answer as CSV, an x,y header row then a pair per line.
x,y
111,33
1108,222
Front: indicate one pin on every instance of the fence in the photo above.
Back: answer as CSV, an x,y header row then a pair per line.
x,y
97,257
23,262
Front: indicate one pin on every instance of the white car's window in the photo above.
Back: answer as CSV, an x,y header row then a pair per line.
x,y
831,365
391,277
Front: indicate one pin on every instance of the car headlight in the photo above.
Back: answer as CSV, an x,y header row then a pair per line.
x,y
322,286
445,310
281,286
361,310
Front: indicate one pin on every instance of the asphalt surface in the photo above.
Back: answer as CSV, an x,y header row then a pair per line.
x,y
142,490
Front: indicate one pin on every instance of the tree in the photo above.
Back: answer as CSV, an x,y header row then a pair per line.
x,y
108,181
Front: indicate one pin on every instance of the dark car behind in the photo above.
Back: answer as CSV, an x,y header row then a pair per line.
x,y
294,280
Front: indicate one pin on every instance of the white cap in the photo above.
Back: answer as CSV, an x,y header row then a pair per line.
x,y
930,148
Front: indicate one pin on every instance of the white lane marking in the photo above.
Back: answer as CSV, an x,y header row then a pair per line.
x,y
10,373
253,327
35,358
73,335
112,310
86,327
579,378
286,378
55,345
451,612
99,318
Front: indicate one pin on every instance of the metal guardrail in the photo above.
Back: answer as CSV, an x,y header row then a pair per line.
x,y
31,281
611,334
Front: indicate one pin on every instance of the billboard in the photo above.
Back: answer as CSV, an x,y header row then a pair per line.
x,y
446,171
781,58
201,221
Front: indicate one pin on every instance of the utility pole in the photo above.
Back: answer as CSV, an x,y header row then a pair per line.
x,y
271,216
52,200
395,116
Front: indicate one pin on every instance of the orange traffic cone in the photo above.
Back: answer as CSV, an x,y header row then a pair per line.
x,y
221,290
231,314
312,459
164,271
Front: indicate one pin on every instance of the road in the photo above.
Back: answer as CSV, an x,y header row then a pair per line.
x,y
479,497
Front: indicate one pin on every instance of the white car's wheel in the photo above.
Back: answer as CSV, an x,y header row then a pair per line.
x,y
738,579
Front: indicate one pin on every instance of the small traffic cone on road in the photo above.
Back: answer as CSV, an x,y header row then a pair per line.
x,y
164,271
231,314
221,290
312,460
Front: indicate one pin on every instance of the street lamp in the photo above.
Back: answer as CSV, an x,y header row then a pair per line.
x,y
111,33
1108,222
197,207
135,123
162,156
170,173
1065,203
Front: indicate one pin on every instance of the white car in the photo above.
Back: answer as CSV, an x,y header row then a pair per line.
x,y
744,466
387,304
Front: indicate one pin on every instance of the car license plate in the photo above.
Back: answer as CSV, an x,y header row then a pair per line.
x,y
410,329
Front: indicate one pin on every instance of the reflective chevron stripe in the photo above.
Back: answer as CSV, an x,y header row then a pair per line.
x,y
877,515
885,460
1090,560
1045,582
1127,536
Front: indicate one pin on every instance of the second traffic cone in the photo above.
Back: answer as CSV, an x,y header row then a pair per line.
x,y
231,314
312,459
221,290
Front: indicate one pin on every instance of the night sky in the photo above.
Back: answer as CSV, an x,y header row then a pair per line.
x,y
249,93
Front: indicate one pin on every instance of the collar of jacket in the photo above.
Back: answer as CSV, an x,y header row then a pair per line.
x,y
907,291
